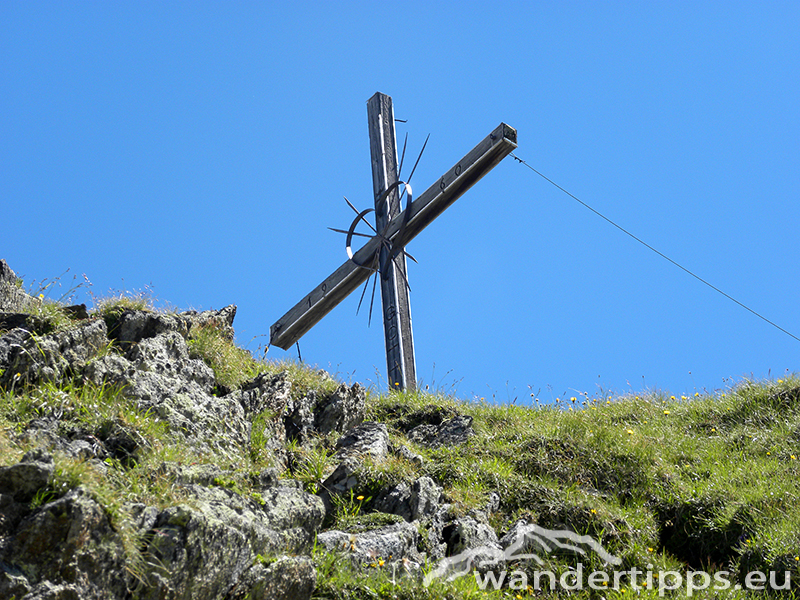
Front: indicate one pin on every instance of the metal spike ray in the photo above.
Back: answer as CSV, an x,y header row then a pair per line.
x,y
346,232
360,300
402,157
419,157
355,210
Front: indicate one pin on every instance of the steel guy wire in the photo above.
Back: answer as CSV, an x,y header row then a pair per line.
x,y
646,245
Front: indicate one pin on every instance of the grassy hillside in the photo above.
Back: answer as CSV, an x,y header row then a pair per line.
x,y
703,483
709,482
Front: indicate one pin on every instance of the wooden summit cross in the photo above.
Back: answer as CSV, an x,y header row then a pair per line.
x,y
394,231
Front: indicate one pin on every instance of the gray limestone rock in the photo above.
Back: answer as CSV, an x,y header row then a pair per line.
x,y
220,319
202,474
167,355
467,533
394,542
50,591
424,500
53,357
416,502
439,527
287,508
452,432
406,453
266,396
203,551
470,545
368,438
315,414
13,583
132,326
193,554
343,479
298,418
264,392
395,501
30,323
12,297
28,476
286,578
342,410
11,344
160,376
70,542
109,369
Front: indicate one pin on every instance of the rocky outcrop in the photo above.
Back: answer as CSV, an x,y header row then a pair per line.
x,y
22,480
285,578
312,415
32,359
415,502
13,298
200,551
70,542
212,540
62,543
368,439
394,544
452,432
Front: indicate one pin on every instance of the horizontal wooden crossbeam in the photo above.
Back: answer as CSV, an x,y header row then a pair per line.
x,y
424,209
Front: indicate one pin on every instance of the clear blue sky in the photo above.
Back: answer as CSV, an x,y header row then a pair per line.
x,y
202,149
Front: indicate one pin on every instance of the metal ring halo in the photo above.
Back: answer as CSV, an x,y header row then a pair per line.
x,y
395,247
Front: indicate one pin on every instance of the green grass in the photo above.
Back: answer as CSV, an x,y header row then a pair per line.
x,y
232,365
710,481
705,482
119,302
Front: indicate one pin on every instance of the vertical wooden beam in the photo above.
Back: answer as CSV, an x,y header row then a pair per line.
x,y
396,309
